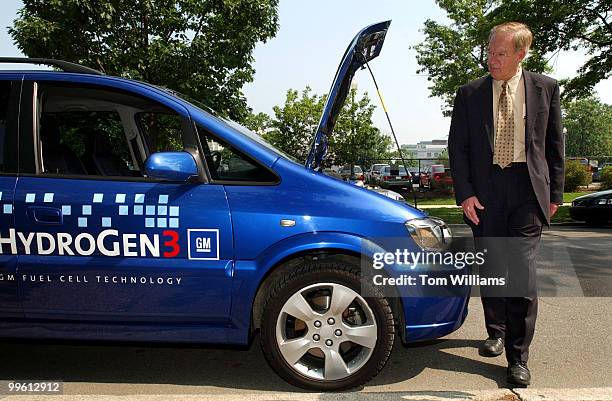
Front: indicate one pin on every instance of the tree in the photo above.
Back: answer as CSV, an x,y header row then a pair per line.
x,y
355,138
564,25
258,123
294,124
454,55
202,48
443,158
589,128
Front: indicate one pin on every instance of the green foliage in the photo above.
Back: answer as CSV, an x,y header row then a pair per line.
x,y
443,158
576,175
564,25
294,123
355,138
258,123
606,177
589,128
202,48
452,55
410,156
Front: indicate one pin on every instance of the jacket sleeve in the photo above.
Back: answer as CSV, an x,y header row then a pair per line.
x,y
555,149
458,150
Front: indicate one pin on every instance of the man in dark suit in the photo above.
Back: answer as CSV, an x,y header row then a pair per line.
x,y
507,162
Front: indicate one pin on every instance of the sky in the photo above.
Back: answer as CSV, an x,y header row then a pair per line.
x,y
312,38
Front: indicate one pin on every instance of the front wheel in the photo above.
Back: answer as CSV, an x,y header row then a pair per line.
x,y
319,333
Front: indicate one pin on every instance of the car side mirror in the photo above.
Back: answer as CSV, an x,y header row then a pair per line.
x,y
171,166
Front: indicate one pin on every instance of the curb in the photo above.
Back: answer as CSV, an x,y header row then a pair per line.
x,y
527,394
556,394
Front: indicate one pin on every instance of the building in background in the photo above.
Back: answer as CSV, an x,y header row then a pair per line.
x,y
425,150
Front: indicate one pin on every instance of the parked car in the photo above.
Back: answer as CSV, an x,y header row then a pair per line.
x,y
440,178
135,214
597,171
399,178
371,176
331,173
589,165
417,175
595,209
357,174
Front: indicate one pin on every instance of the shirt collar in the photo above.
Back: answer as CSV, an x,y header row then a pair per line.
x,y
512,82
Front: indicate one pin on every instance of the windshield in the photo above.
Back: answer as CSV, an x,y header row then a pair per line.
x,y
257,138
233,124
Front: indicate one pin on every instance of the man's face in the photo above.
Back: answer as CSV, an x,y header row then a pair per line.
x,y
503,60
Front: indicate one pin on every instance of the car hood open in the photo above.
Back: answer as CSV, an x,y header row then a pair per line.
x,y
365,46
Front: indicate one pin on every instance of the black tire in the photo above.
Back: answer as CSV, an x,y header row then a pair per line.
x,y
314,274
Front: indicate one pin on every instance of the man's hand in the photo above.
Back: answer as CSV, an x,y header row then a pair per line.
x,y
469,209
553,209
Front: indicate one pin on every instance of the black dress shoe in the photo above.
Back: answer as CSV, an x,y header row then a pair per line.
x,y
518,374
492,347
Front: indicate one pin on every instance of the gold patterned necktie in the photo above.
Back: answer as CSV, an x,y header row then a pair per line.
x,y
504,136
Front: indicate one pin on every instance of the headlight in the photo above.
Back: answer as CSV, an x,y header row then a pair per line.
x,y
429,233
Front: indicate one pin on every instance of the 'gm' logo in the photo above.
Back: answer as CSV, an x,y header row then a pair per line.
x,y
203,244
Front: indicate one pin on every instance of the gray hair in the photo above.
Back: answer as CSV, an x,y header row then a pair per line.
x,y
522,34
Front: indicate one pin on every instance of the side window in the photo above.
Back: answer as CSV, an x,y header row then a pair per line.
x,y
86,130
85,143
226,163
163,131
8,133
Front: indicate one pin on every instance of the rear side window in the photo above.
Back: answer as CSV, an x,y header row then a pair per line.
x,y
226,163
8,132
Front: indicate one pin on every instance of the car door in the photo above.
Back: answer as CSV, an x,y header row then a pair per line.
x,y
99,241
10,87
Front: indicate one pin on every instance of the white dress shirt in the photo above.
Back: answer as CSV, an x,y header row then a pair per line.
x,y
516,87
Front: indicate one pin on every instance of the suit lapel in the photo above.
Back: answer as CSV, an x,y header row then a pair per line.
x,y
486,100
533,92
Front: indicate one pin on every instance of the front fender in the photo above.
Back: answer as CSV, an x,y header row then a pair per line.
x,y
250,274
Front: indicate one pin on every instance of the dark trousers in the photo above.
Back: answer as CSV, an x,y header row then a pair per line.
x,y
511,226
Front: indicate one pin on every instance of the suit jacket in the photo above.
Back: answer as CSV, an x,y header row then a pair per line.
x,y
471,140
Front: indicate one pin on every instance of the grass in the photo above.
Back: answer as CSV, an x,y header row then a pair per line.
x,y
455,215
568,197
450,200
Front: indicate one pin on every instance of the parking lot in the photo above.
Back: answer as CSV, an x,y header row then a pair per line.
x,y
571,350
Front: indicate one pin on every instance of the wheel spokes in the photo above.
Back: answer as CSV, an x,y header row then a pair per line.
x,y
341,298
335,367
293,350
298,307
365,336
316,349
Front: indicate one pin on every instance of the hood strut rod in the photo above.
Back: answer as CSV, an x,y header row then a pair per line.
x,y
399,149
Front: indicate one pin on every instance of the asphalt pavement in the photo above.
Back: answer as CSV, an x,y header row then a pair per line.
x,y
571,356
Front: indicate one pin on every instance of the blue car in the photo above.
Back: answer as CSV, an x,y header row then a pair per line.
x,y
129,213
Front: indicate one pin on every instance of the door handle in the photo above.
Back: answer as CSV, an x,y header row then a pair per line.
x,y
45,215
